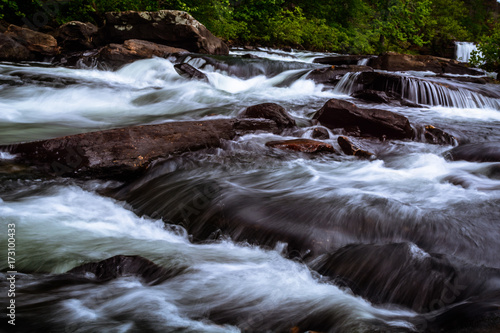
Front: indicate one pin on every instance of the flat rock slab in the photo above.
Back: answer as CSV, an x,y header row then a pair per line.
x,y
125,152
302,145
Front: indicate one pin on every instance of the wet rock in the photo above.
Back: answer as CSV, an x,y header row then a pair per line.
x,y
360,268
250,56
188,71
405,102
10,50
331,75
404,62
302,145
168,27
244,126
476,152
271,111
127,152
375,81
36,42
76,36
340,60
320,133
372,96
117,55
437,136
378,123
350,148
120,265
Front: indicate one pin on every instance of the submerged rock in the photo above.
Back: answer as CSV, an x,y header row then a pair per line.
x,y
271,111
350,148
302,145
476,152
188,71
169,27
379,123
120,265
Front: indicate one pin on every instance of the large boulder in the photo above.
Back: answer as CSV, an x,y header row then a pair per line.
x,y
372,122
38,43
10,50
76,36
126,152
131,50
168,27
404,62
271,111
302,145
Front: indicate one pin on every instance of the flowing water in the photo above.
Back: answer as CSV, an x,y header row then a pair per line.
x,y
331,243
463,50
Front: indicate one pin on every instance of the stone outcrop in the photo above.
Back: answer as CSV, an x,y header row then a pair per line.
x,y
270,111
11,50
38,44
126,152
404,62
168,27
371,122
76,36
302,145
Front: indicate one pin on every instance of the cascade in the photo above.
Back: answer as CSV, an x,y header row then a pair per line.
x,y
463,50
433,93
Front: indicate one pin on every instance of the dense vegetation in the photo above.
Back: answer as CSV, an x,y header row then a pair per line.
x,y
353,26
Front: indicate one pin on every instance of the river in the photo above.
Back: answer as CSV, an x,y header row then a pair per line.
x,y
404,242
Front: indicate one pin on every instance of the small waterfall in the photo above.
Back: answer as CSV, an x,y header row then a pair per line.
x,y
347,85
363,62
433,93
463,50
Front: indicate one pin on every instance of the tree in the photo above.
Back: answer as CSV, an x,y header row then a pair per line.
x,y
488,55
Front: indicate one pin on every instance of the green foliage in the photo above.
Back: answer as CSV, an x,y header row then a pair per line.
x,y
348,26
401,24
9,6
488,54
